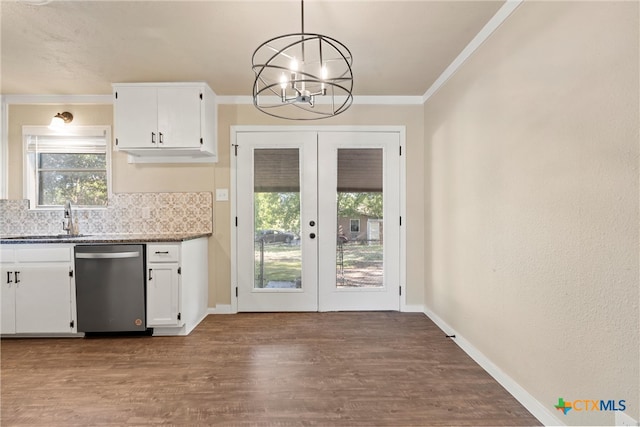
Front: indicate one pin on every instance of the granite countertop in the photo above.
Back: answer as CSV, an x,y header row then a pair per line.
x,y
102,238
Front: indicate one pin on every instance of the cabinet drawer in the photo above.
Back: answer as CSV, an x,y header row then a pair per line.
x,y
163,253
6,255
43,254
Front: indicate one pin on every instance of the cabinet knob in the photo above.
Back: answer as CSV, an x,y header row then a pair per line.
x,y
312,235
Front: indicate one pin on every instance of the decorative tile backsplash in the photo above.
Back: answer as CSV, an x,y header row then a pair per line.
x,y
126,213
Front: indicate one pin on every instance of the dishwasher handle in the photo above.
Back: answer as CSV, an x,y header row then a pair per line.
x,y
107,255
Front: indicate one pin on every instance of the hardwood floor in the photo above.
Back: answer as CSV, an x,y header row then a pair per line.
x,y
357,369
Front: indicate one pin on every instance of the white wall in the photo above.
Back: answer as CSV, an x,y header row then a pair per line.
x,y
533,157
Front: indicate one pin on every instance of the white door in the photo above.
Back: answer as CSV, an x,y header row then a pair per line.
x,y
359,181
163,295
277,253
304,200
43,299
179,117
141,103
8,295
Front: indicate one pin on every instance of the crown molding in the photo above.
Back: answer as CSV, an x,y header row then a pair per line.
x,y
57,99
501,15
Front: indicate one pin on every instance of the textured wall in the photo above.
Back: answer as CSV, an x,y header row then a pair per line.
x,y
534,194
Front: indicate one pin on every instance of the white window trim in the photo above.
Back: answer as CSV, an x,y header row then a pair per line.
x,y
27,180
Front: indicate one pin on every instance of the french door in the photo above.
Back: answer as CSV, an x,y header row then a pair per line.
x,y
317,221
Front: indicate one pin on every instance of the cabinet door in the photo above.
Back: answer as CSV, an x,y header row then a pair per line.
x,y
179,117
136,117
8,301
163,295
43,299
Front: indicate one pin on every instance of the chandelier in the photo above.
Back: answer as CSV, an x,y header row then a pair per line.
x,y
302,76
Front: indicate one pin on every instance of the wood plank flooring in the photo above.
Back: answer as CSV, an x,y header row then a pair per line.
x,y
284,369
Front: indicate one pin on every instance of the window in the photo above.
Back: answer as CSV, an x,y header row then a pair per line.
x,y
355,226
73,165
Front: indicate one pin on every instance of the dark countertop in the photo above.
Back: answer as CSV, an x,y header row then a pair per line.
x,y
102,238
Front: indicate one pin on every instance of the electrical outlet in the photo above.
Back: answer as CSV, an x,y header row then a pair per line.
x,y
623,419
222,194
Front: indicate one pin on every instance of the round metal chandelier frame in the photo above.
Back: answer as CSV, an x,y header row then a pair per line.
x,y
302,76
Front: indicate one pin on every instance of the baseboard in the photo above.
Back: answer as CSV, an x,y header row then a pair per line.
x,y
533,405
411,308
220,309
226,309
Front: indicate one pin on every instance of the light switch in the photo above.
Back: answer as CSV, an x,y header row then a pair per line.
x,y
222,194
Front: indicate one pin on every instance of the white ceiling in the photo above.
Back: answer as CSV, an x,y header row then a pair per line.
x,y
81,47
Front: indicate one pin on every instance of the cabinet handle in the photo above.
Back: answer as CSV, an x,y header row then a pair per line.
x,y
161,140
153,137
150,270
9,277
17,278
162,252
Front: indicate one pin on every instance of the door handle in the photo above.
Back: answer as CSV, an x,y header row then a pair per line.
x,y
150,270
161,139
153,137
17,278
9,277
312,235
107,255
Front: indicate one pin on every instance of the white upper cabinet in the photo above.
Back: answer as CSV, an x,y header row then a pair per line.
x,y
165,122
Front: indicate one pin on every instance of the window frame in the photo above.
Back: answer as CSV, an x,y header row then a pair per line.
x,y
354,221
30,168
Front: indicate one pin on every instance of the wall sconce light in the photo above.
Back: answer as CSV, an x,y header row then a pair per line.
x,y
61,119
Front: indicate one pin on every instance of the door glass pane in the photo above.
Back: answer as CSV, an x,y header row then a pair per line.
x,y
276,199
359,254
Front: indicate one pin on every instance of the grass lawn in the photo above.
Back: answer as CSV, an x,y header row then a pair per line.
x,y
282,262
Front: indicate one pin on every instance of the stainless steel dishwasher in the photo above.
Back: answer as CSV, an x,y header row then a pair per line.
x,y
110,288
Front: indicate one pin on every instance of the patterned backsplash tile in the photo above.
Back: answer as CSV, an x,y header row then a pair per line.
x,y
126,213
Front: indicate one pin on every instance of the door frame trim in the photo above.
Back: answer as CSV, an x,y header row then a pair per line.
x,y
234,130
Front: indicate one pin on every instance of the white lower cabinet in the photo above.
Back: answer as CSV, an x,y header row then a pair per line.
x,y
38,289
177,286
163,286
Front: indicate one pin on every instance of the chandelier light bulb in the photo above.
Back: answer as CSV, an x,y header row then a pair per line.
x,y
283,81
323,75
294,64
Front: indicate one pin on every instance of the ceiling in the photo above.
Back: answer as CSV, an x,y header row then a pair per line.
x,y
81,47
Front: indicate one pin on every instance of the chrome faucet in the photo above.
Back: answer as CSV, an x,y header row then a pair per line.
x,y
67,222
